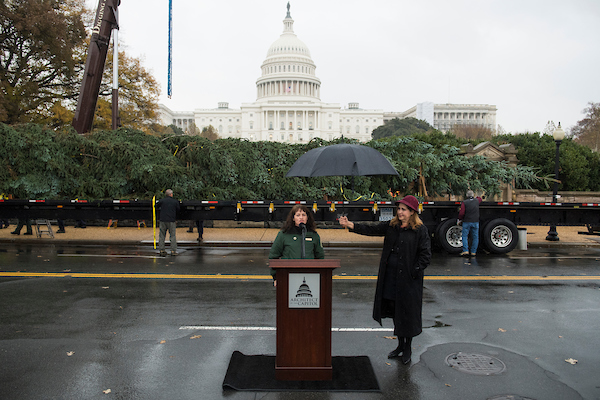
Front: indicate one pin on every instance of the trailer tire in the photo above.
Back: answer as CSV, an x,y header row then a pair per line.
x,y
500,236
449,236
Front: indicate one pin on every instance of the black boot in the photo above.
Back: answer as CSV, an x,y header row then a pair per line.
x,y
396,352
407,353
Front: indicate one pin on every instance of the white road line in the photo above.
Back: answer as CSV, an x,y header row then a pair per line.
x,y
108,255
272,328
551,257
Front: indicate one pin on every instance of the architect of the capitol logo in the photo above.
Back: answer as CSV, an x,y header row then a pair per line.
x,y
304,290
288,106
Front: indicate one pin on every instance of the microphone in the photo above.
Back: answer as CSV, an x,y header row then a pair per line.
x,y
302,226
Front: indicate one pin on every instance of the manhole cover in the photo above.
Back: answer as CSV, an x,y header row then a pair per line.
x,y
476,364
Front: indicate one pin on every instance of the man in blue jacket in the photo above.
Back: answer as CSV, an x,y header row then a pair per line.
x,y
168,208
469,215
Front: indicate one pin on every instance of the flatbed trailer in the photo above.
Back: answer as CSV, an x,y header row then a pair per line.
x,y
498,220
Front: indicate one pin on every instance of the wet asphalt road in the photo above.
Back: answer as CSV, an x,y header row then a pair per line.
x,y
144,327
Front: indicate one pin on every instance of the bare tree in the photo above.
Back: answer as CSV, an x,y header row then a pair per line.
x,y
209,132
472,132
587,131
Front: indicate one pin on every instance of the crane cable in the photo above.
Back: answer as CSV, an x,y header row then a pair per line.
x,y
170,61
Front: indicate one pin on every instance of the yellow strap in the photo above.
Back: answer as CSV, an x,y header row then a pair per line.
x,y
154,220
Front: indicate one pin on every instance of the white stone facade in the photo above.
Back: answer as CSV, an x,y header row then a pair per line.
x,y
288,107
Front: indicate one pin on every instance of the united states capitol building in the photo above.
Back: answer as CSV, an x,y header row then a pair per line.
x,y
288,106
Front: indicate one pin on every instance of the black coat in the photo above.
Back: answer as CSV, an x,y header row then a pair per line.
x,y
169,207
413,250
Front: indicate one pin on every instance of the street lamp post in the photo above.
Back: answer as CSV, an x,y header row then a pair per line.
x,y
559,135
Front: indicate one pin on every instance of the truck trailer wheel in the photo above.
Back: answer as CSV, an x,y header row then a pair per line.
x,y
500,236
449,236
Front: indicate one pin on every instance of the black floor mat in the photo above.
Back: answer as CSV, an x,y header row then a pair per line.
x,y
257,373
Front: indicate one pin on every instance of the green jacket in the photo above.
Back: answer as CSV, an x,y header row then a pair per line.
x,y
288,246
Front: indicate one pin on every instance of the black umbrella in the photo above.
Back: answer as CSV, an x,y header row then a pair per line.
x,y
342,160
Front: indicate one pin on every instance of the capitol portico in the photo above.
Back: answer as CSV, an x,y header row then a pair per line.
x,y
288,107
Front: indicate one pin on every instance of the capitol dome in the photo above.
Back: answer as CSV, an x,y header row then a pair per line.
x,y
288,43
288,69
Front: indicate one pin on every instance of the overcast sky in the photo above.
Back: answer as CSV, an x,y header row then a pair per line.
x,y
535,60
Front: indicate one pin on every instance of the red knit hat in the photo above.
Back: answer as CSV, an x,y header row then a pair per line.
x,y
411,202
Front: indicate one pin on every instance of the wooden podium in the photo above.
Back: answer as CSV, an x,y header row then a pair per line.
x,y
303,319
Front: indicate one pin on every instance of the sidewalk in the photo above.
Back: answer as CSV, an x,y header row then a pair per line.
x,y
258,237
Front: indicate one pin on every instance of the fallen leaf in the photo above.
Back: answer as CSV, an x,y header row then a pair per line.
x,y
107,391
387,363
389,337
196,337
105,287
70,353
560,336
163,341
448,385
571,361
501,330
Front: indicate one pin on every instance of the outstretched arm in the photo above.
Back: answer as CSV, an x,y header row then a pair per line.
x,y
346,223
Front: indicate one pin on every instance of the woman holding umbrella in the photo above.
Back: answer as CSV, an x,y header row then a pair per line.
x,y
406,253
298,237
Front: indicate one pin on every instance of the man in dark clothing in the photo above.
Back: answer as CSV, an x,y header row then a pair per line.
x,y
469,215
23,222
168,208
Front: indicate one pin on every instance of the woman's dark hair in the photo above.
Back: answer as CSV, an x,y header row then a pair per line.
x,y
289,224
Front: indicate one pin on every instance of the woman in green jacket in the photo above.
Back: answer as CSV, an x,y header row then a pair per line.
x,y
288,243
